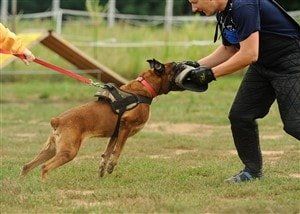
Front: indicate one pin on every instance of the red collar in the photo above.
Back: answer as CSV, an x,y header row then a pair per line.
x,y
147,85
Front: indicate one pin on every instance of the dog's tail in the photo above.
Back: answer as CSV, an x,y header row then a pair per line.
x,y
54,122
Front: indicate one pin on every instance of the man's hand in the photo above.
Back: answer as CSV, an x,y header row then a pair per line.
x,y
29,57
202,75
194,64
188,77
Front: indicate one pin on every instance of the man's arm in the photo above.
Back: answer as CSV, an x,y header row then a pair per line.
x,y
248,53
220,55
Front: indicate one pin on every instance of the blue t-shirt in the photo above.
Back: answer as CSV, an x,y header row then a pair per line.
x,y
241,18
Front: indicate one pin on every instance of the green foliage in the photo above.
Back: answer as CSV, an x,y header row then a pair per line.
x,y
94,8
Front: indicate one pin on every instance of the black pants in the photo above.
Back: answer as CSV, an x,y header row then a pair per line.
x,y
275,76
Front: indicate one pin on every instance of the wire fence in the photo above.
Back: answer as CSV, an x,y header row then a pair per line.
x,y
158,20
132,18
60,15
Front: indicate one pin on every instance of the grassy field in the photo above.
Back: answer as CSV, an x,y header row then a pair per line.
x,y
176,164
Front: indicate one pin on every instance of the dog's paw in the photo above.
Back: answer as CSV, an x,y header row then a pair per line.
x,y
24,171
110,167
101,171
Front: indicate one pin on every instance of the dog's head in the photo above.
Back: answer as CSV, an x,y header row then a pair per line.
x,y
162,76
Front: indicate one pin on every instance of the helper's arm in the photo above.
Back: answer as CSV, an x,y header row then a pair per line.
x,y
220,55
247,54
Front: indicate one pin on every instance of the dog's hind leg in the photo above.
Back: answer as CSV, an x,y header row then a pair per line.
x,y
45,154
106,155
67,148
122,137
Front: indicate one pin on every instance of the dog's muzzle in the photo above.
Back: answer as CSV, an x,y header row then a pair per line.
x,y
175,71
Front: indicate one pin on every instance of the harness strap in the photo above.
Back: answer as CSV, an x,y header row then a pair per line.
x,y
121,102
117,128
142,99
112,89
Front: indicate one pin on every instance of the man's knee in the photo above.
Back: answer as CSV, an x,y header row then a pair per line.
x,y
293,129
238,120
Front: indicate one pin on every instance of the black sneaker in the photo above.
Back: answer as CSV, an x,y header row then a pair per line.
x,y
242,176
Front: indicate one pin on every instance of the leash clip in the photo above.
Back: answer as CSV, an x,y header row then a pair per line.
x,y
95,84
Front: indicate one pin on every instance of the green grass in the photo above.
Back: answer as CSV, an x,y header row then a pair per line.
x,y
160,170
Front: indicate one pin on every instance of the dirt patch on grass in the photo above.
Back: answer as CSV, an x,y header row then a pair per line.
x,y
200,130
269,156
184,151
267,153
295,175
273,153
173,153
83,203
67,193
185,128
271,136
79,158
82,198
159,157
26,135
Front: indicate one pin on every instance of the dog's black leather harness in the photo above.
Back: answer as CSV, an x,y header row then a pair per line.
x,y
120,101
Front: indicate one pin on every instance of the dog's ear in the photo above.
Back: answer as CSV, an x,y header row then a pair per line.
x,y
158,67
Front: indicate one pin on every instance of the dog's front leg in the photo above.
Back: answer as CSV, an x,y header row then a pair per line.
x,y
122,137
106,155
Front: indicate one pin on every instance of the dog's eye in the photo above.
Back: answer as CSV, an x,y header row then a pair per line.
x,y
157,67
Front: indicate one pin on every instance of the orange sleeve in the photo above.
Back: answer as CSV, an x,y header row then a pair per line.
x,y
9,41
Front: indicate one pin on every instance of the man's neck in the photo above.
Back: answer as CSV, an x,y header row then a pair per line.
x,y
221,5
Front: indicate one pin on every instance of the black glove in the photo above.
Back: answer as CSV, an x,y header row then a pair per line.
x,y
202,75
194,64
184,80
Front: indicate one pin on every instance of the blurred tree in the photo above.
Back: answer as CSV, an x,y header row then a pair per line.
x,y
150,7
290,4
74,5
33,6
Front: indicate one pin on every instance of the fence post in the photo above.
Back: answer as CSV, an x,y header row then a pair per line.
x,y
14,6
4,10
111,12
59,22
169,14
57,15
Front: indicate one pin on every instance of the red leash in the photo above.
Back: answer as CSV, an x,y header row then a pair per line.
x,y
57,68
77,76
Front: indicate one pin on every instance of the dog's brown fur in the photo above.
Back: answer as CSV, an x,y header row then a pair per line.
x,y
96,119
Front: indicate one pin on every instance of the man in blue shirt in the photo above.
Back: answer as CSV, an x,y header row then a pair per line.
x,y
261,34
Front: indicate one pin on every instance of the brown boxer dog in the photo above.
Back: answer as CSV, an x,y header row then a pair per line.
x,y
99,119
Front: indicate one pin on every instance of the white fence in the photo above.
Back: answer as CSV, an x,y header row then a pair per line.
x,y
112,15
57,14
